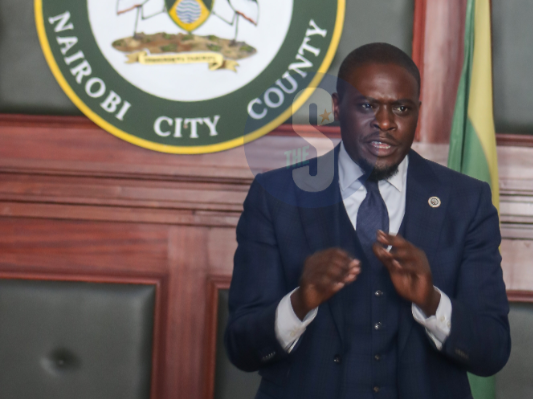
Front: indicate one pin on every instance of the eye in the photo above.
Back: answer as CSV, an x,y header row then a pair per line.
x,y
366,106
402,108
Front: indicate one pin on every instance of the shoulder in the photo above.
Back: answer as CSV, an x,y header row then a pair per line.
x,y
467,197
451,179
271,190
283,174
327,163
312,185
273,184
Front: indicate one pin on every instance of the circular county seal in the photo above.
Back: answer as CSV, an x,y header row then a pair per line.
x,y
188,76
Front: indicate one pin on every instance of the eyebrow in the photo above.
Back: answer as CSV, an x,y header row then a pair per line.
x,y
405,100
360,97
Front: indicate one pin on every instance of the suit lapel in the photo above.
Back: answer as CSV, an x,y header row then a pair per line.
x,y
322,230
422,222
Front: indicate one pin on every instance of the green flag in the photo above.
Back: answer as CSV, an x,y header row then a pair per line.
x,y
473,138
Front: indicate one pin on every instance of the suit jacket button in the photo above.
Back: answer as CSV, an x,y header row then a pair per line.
x,y
376,389
377,357
378,293
337,359
378,325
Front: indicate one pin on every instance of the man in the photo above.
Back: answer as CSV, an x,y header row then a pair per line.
x,y
387,283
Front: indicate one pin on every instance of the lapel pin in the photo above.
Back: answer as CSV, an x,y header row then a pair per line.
x,y
434,202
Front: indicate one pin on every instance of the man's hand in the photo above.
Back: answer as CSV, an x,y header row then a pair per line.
x,y
324,274
409,271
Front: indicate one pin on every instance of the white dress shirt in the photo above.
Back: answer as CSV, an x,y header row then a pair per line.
x,y
289,328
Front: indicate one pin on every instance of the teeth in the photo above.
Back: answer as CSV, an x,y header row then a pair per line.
x,y
380,145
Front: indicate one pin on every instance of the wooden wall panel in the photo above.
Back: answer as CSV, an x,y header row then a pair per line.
x,y
214,284
83,247
187,310
75,146
438,51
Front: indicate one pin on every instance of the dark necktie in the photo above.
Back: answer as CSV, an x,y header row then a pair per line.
x,y
371,216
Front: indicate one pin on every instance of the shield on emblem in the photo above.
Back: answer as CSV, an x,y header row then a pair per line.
x,y
189,14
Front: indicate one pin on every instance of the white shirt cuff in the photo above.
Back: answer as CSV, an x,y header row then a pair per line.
x,y
438,326
289,328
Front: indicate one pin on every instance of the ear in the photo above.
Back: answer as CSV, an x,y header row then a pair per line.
x,y
336,105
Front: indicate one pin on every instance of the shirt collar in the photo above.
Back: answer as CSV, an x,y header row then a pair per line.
x,y
350,172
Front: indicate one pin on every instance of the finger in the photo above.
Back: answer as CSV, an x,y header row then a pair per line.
x,y
381,253
351,276
344,262
408,266
347,278
354,271
326,283
387,238
411,258
350,279
402,254
345,265
391,239
331,255
398,241
383,238
338,286
355,264
404,266
386,258
396,266
334,272
338,271
354,268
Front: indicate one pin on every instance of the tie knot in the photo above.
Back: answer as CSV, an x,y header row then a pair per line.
x,y
371,186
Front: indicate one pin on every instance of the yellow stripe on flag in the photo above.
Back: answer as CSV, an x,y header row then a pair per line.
x,y
480,100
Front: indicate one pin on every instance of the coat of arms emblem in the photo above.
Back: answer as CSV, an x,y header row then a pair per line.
x,y
189,76
188,15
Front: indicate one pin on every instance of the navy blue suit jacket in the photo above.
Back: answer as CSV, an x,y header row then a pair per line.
x,y
461,237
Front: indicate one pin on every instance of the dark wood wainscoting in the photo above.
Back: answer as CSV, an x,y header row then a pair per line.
x,y
78,204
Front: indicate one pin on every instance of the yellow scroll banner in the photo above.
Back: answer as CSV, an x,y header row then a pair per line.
x,y
214,60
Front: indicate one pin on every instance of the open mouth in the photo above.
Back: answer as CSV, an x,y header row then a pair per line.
x,y
380,145
380,148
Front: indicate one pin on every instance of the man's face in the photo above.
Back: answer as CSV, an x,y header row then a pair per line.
x,y
378,114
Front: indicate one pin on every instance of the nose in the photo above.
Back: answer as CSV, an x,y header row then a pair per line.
x,y
384,119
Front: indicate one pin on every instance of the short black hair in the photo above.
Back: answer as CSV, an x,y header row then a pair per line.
x,y
375,53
